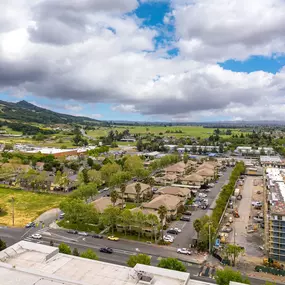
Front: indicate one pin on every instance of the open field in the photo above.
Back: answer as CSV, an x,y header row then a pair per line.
x,y
57,142
28,205
191,131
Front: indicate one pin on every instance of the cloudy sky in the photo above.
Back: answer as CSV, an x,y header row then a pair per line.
x,y
174,60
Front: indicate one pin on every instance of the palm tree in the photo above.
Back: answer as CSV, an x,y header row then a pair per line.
x,y
114,197
162,211
197,226
123,190
138,191
153,221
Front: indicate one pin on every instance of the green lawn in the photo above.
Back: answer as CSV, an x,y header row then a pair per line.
x,y
130,205
28,205
130,237
192,131
81,227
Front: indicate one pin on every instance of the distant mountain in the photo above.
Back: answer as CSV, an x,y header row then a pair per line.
x,y
26,112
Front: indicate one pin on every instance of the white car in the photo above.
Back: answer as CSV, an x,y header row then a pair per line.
x,y
184,251
36,236
83,234
178,230
168,238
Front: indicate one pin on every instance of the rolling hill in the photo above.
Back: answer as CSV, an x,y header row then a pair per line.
x,y
26,112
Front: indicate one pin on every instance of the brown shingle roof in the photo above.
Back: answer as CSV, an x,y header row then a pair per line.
x,y
177,191
130,189
174,168
102,203
194,177
206,172
169,201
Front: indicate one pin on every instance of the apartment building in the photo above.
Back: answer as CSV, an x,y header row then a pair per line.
x,y
275,184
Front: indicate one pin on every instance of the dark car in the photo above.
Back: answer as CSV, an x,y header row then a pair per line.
x,y
172,232
30,225
106,250
97,236
185,219
187,213
72,232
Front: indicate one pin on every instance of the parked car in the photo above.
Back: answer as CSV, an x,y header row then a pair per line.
x,y
106,250
185,219
97,236
72,232
168,238
184,251
172,231
36,236
30,225
113,238
83,234
178,230
187,213
61,216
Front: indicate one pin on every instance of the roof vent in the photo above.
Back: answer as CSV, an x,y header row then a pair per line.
x,y
144,277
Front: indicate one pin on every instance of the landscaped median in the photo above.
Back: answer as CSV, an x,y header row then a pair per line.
x,y
27,205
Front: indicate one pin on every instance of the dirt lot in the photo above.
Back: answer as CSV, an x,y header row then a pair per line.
x,y
242,234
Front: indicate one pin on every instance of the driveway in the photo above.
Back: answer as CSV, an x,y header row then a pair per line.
x,y
184,238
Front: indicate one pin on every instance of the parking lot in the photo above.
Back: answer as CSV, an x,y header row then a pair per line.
x,y
184,238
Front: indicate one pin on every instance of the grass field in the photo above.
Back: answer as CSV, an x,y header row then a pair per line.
x,y
28,205
191,131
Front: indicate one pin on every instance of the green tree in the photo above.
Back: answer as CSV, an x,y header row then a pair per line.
x,y
162,211
139,220
95,176
64,248
57,178
77,212
108,170
139,258
232,252
223,277
110,217
185,157
119,178
153,221
126,219
75,252
2,244
138,192
90,254
85,191
133,164
90,161
172,263
123,190
197,226
114,197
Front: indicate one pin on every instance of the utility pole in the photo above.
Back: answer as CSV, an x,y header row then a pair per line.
x,y
13,210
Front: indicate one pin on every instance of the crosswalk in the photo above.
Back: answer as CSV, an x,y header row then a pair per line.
x,y
41,231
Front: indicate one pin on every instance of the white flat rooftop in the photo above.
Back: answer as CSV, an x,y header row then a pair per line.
x,y
35,264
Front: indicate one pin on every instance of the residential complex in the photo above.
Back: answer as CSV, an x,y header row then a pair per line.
x,y
275,184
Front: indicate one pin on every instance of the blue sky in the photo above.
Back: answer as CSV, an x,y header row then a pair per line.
x,y
158,61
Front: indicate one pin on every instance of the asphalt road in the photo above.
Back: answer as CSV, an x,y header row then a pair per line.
x,y
184,238
122,249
